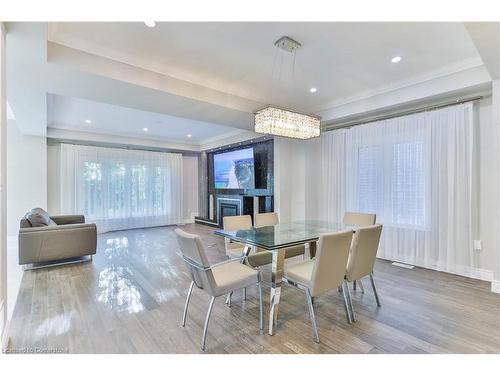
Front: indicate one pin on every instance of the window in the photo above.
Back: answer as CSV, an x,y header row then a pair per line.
x,y
93,187
369,179
390,182
121,189
407,184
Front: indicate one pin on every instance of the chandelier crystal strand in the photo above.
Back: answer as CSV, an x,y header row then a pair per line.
x,y
278,121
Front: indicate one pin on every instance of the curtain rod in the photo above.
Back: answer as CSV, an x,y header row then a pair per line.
x,y
366,120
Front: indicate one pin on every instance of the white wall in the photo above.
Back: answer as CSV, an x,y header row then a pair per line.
x,y
26,189
289,179
26,175
489,188
189,187
297,178
189,181
3,191
53,185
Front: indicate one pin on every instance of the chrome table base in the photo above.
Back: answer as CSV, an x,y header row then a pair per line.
x,y
276,275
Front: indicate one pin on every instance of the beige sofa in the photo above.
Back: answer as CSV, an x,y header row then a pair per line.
x,y
65,238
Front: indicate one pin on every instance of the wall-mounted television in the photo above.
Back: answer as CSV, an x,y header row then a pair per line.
x,y
234,169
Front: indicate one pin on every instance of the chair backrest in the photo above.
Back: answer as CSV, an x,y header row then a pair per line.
x,y
330,262
358,218
196,260
269,219
363,252
237,222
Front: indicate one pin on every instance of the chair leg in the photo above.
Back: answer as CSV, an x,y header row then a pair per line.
x,y
187,304
244,294
207,319
361,286
343,288
354,285
375,290
261,317
311,314
228,299
349,300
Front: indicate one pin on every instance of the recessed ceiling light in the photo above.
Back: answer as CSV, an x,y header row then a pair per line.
x,y
88,122
150,23
396,59
190,135
145,129
313,90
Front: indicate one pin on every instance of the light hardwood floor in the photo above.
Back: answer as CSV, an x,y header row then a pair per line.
x,y
130,300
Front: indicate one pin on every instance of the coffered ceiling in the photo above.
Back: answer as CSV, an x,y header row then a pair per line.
x,y
206,79
339,59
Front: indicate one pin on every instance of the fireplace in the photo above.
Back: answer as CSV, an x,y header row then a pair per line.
x,y
228,207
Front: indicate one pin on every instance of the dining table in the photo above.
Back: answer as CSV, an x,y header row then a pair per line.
x,y
276,239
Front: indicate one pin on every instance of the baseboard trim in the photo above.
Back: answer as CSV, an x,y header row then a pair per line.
x,y
495,286
6,326
466,271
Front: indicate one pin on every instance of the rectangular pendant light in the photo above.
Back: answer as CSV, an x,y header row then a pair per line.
x,y
278,121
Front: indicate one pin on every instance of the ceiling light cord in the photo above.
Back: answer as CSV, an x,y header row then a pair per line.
x,y
272,74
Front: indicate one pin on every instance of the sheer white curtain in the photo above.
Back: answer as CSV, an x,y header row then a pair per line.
x,y
416,173
121,189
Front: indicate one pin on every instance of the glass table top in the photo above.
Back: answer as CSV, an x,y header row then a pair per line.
x,y
284,234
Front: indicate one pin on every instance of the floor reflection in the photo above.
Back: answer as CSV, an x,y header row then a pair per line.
x,y
54,326
116,247
117,285
117,291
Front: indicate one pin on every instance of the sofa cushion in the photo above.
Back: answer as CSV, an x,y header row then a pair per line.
x,y
39,218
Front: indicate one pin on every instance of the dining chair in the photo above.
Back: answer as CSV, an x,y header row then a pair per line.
x,y
262,257
259,257
362,257
236,249
359,219
217,279
240,222
323,273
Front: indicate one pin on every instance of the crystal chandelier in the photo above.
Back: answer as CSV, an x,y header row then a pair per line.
x,y
278,121
283,122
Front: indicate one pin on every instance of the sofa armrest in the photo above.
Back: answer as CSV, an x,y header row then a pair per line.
x,y
54,228
68,219
41,244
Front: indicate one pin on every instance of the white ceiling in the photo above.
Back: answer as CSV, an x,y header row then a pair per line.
x,y
340,59
70,114
207,78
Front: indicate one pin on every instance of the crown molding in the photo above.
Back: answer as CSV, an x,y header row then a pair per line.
x,y
228,135
429,76
110,138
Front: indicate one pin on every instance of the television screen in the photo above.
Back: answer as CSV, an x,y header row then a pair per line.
x,y
234,170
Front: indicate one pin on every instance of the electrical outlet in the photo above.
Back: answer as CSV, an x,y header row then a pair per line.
x,y
478,245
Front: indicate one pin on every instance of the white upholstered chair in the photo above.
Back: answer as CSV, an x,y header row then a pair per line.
x,y
268,219
363,254
262,257
235,249
323,273
241,222
360,220
216,280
